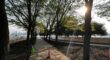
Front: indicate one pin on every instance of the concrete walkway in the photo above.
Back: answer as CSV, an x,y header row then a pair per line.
x,y
44,50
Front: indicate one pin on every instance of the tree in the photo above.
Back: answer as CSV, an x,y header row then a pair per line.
x,y
57,9
41,28
87,36
26,13
4,32
97,28
103,9
68,25
80,30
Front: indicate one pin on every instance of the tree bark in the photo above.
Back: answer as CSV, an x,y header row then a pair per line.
x,y
4,32
57,25
29,45
87,37
33,36
56,33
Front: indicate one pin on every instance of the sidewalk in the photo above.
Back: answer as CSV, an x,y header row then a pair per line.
x,y
44,48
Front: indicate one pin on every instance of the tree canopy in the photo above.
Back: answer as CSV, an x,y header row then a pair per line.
x,y
97,29
104,9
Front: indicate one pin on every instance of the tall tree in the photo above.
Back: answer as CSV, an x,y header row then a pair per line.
x,y
87,37
58,9
29,46
63,8
26,13
68,25
98,28
4,32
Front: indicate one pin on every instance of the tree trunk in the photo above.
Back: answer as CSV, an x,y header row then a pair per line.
x,y
29,45
56,37
87,37
33,36
57,27
4,32
49,36
28,42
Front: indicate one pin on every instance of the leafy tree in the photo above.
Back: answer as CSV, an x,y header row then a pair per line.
x,y
103,9
18,9
69,24
26,13
41,28
80,30
4,32
57,9
98,29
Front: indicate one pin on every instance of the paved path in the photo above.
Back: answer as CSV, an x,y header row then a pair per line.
x,y
44,48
